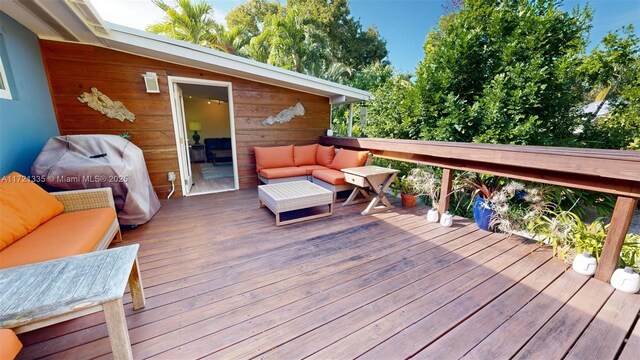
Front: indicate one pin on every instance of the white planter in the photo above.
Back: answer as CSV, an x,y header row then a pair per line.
x,y
626,280
584,264
329,132
432,216
446,220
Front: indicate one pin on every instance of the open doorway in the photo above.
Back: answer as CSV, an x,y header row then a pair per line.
x,y
205,136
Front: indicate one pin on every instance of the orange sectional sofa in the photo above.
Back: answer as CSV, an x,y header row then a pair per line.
x,y
37,226
10,345
316,163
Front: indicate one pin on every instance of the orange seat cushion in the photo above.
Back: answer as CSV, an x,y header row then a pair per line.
x,y
311,168
304,155
280,173
324,155
333,177
23,207
273,157
10,345
348,159
67,234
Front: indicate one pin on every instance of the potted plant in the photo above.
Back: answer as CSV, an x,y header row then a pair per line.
x,y
405,186
483,190
417,183
428,185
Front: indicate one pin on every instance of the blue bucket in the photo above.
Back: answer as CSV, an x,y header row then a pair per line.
x,y
482,213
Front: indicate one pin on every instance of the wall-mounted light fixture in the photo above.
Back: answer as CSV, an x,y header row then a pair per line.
x,y
151,82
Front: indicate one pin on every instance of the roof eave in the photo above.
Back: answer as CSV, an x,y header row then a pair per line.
x,y
187,54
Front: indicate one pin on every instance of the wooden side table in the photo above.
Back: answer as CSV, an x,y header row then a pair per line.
x,y
46,293
197,153
372,183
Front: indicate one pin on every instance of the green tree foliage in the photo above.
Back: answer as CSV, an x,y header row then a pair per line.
x,y
296,42
396,111
349,43
233,41
252,15
503,72
187,21
315,37
370,78
612,73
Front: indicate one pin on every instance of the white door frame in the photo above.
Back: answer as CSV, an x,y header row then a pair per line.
x,y
181,156
183,138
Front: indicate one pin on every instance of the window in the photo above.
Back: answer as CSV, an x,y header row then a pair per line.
x,y
5,92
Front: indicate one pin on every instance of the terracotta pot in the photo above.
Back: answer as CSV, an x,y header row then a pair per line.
x,y
409,200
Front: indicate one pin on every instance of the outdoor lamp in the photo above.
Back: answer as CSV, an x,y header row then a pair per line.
x,y
195,127
151,82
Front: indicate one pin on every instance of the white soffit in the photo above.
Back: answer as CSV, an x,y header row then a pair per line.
x,y
53,20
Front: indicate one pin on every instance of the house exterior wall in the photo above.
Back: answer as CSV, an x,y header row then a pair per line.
x,y
73,69
28,120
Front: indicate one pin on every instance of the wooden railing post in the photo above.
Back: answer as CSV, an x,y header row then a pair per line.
x,y
445,190
620,221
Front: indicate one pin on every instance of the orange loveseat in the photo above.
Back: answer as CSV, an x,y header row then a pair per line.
x,y
37,226
316,163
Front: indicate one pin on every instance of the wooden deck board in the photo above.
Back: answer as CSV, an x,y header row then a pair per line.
x,y
631,348
223,282
380,331
565,327
465,336
606,333
387,293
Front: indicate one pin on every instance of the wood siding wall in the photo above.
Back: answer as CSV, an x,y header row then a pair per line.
x,y
73,69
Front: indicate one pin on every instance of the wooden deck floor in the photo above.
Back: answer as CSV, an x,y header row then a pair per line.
x,y
223,282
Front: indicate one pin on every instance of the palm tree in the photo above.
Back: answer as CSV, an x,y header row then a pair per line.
x,y
336,72
296,43
260,47
187,21
233,41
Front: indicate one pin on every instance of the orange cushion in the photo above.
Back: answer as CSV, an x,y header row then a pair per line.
x,y
273,157
9,344
280,173
311,168
348,159
23,207
333,177
67,234
304,155
324,155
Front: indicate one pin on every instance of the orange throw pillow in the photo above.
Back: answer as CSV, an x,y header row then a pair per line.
x,y
273,157
304,155
348,159
324,155
23,207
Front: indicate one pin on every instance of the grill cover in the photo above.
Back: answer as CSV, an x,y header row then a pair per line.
x,y
76,162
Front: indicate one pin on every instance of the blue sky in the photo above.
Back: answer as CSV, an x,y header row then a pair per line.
x,y
403,23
